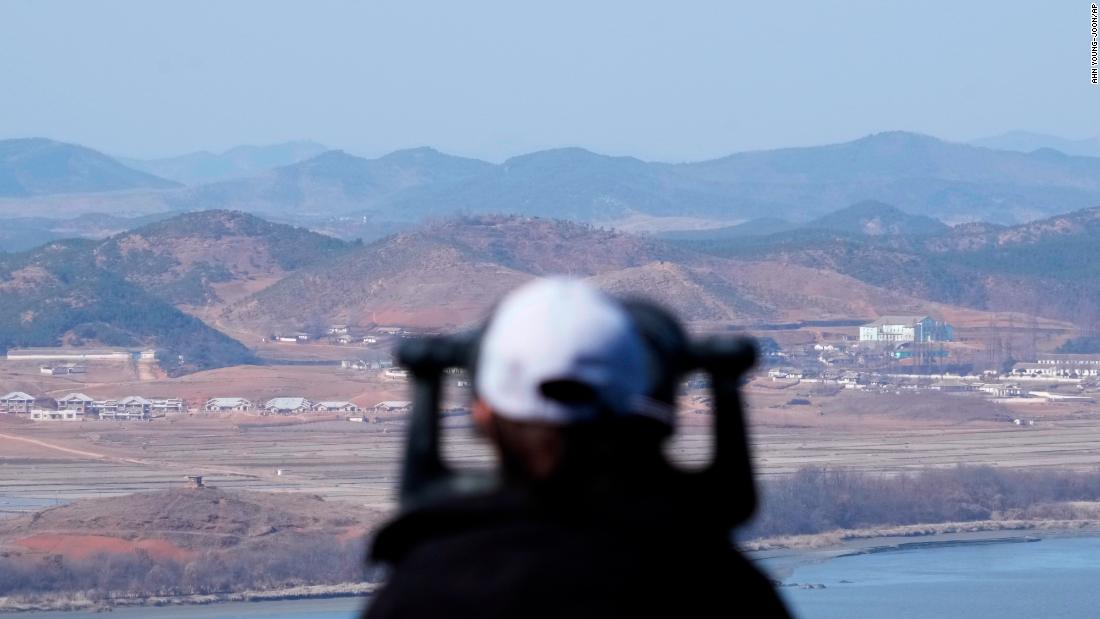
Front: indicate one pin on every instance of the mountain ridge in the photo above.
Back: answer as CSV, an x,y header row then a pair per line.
x,y
40,166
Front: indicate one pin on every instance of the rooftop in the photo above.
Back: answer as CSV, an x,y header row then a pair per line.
x,y
287,403
897,319
18,396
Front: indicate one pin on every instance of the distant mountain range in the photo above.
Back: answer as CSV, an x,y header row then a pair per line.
x,y
869,218
915,173
332,183
1026,142
37,166
207,167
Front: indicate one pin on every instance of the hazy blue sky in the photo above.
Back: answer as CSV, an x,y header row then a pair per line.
x,y
676,81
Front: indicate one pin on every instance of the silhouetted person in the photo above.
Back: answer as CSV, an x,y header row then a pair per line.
x,y
588,520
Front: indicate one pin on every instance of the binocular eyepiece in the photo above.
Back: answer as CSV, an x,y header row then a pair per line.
x,y
725,485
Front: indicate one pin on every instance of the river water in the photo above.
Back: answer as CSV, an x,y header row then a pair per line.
x,y
1054,578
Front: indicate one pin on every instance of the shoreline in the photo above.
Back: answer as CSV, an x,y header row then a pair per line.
x,y
781,556
79,602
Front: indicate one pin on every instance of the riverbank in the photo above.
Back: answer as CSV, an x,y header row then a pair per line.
x,y
782,555
81,602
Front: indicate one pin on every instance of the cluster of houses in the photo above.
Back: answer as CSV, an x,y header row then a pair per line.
x,y
279,406
342,334
78,407
1054,365
987,385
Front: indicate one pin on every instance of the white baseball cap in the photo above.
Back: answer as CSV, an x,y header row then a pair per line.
x,y
560,331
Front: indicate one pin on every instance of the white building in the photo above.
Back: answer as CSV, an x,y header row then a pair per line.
x,y
336,407
131,408
76,402
59,415
225,405
905,329
1053,364
16,402
393,406
80,354
288,406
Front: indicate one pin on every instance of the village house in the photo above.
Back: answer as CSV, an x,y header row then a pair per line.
x,y
225,405
336,407
16,402
130,408
1054,364
58,415
338,330
167,405
288,406
106,409
395,374
76,402
784,374
850,380
999,390
63,370
392,406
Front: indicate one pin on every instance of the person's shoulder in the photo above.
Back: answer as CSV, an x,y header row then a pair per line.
x,y
457,516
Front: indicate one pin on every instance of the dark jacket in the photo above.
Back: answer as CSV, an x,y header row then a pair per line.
x,y
551,552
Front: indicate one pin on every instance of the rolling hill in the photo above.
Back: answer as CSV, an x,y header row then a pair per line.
x,y
129,289
331,183
23,233
1026,142
877,219
211,257
449,273
1045,268
37,166
57,295
241,161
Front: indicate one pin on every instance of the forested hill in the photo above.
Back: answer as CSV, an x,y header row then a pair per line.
x,y
57,295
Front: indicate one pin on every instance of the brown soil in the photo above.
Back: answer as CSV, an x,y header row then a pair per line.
x,y
75,546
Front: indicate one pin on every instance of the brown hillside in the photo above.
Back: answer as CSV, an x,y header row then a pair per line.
x,y
211,257
449,274
180,522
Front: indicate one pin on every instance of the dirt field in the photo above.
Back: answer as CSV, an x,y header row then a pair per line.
x,y
358,462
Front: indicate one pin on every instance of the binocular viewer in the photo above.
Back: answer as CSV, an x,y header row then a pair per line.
x,y
724,487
